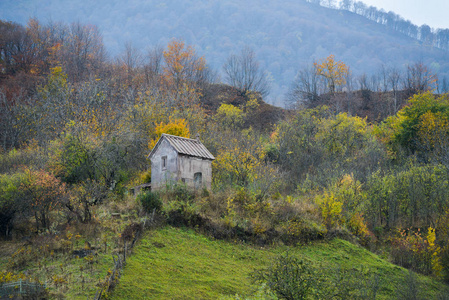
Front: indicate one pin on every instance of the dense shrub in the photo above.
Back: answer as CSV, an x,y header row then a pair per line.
x,y
292,278
10,196
409,197
182,193
131,231
151,201
180,207
303,230
288,277
412,250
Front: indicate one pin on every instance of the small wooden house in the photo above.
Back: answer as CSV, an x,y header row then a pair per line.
x,y
178,159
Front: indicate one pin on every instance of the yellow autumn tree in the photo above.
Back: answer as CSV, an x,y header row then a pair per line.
x,y
178,127
343,135
335,72
434,251
237,165
331,209
433,132
239,160
230,116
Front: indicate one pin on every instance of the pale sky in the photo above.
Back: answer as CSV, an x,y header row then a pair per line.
x,y
434,13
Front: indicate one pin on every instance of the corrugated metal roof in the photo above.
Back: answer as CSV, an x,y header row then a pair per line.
x,y
186,146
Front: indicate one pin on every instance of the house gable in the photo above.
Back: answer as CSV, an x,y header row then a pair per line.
x,y
184,146
176,158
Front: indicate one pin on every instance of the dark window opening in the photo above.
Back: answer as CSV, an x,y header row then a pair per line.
x,y
164,162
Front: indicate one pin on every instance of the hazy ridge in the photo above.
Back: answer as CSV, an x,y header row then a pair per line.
x,y
285,35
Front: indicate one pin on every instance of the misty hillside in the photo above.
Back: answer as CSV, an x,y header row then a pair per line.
x,y
286,35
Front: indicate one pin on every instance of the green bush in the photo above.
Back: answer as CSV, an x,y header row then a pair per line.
x,y
288,277
182,193
291,278
11,200
150,201
303,230
177,192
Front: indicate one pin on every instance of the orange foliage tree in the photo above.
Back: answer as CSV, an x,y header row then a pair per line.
x,y
44,192
182,74
182,65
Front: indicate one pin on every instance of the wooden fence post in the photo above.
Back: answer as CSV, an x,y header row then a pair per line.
x,y
124,253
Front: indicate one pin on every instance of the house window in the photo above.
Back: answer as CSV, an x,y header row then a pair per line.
x,y
198,180
164,162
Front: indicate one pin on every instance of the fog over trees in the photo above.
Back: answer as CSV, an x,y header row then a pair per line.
x,y
285,37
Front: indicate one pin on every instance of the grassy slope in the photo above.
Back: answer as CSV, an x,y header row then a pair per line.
x,y
175,263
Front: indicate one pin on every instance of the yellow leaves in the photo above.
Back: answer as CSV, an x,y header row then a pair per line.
x,y
423,125
433,129
233,117
423,249
274,136
347,180
234,163
6,277
230,116
252,104
342,134
175,55
331,209
434,251
57,71
431,238
334,71
289,199
178,127
356,223
58,280
237,164
56,85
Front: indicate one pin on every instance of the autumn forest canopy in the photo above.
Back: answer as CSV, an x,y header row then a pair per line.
x,y
361,157
286,36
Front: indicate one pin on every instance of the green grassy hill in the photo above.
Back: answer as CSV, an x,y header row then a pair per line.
x,y
172,263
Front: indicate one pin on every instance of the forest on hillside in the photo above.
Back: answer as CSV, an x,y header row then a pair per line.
x,y
286,36
359,158
436,37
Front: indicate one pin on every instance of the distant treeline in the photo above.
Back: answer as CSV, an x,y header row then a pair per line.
x,y
428,36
